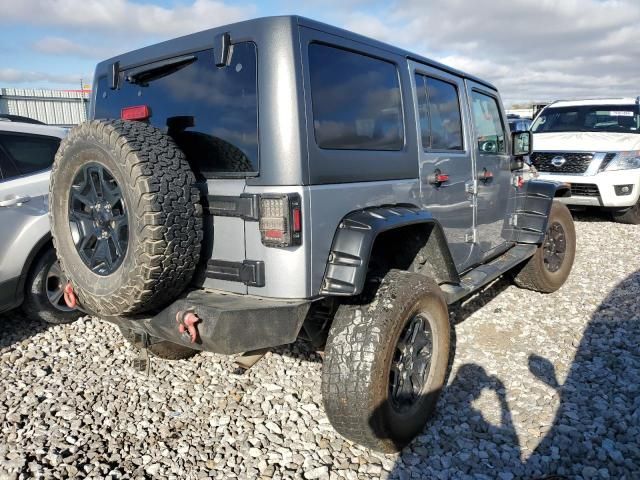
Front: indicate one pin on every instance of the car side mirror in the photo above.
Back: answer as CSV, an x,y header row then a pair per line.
x,y
521,143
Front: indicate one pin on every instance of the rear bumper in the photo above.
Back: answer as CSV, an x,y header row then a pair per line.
x,y
605,182
228,323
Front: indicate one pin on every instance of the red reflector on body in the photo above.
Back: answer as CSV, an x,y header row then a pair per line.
x,y
297,220
139,112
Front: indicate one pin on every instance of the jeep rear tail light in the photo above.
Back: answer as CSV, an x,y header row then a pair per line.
x,y
280,220
138,112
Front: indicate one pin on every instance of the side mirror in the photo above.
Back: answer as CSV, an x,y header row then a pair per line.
x,y
521,143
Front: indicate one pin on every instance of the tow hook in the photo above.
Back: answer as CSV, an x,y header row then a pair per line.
x,y
69,296
187,321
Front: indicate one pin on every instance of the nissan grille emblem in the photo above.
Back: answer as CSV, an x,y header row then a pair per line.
x,y
558,161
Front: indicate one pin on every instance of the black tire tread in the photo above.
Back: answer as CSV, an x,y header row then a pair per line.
x,y
630,216
355,337
168,203
533,276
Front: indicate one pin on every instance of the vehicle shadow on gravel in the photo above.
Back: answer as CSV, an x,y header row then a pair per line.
x,y
592,215
595,429
16,327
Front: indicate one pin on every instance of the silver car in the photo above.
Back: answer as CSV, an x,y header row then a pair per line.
x,y
29,273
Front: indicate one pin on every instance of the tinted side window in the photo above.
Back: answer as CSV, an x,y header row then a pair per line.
x,y
440,120
211,112
30,153
356,100
488,123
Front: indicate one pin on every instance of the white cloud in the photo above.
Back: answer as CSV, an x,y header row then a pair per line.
x,y
66,47
125,16
13,76
531,49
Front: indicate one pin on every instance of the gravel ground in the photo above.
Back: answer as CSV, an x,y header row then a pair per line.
x,y
540,384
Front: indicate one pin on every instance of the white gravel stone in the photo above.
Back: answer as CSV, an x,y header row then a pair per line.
x,y
540,385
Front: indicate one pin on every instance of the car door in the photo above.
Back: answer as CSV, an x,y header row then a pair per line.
x,y
492,168
25,161
446,163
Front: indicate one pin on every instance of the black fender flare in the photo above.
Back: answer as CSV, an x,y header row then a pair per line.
x,y
533,205
356,234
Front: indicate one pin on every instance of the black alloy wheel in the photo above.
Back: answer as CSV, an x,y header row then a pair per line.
x,y
98,219
555,246
411,363
54,286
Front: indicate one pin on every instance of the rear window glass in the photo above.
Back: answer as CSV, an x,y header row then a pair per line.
x,y
30,153
439,107
211,112
356,100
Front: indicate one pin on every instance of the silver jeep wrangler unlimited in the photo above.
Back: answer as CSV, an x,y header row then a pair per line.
x,y
242,186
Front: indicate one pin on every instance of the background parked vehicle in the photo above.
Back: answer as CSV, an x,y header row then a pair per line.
x,y
519,124
594,145
30,275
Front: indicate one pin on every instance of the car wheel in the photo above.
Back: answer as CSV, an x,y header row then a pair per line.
x,y
386,361
159,348
44,294
548,269
630,215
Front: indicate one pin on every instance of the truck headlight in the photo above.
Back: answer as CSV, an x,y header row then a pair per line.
x,y
625,161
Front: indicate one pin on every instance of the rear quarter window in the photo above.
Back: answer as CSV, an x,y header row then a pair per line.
x,y
356,100
440,119
211,112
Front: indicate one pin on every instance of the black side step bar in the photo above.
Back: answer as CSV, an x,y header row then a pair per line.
x,y
485,274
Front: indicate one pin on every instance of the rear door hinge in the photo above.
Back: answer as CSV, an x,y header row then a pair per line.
x,y
471,236
471,187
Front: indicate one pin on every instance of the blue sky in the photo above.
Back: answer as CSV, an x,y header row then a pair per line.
x,y
531,49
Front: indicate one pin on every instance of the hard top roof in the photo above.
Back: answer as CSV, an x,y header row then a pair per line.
x,y
133,57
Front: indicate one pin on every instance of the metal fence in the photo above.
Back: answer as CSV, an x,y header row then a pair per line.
x,y
63,108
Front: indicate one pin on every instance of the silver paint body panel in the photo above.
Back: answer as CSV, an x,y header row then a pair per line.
x,y
333,183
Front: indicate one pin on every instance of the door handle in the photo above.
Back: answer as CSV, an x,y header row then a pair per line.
x,y
437,178
486,176
16,201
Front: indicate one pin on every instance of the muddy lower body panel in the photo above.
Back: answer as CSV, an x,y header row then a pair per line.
x,y
223,323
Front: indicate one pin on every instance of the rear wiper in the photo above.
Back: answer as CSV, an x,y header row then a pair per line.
x,y
153,71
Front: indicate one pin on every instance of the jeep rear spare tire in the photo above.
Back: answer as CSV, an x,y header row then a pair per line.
x,y
125,216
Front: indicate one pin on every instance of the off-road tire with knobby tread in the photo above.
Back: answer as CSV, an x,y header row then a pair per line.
x,y
630,216
533,275
161,349
361,345
165,216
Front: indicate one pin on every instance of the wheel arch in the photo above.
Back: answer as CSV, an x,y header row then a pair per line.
x,y
361,240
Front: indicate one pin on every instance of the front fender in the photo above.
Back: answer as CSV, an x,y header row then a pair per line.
x,y
533,205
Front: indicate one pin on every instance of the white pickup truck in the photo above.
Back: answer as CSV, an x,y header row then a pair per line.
x,y
594,145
